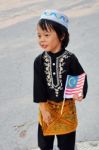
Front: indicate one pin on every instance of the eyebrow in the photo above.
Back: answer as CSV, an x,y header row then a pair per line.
x,y
43,32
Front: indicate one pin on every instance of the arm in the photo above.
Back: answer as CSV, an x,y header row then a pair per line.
x,y
76,69
39,85
45,113
39,90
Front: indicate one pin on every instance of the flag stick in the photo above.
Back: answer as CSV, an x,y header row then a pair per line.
x,y
62,106
64,98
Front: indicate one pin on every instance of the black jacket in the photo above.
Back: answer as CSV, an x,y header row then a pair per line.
x,y
50,73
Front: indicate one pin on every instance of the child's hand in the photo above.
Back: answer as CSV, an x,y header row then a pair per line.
x,y
77,97
46,117
45,113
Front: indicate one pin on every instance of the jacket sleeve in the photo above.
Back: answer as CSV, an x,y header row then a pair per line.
x,y
76,69
39,86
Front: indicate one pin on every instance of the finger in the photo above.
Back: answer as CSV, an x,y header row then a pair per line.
x,y
79,99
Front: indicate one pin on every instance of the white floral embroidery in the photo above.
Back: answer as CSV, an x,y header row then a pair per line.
x,y
60,62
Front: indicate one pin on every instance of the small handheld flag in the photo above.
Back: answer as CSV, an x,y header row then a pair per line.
x,y
74,85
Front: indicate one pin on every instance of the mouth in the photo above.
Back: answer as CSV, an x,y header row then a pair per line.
x,y
44,46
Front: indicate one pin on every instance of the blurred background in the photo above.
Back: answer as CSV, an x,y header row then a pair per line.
x,y
18,49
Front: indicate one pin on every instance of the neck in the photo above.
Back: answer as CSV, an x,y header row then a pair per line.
x,y
56,51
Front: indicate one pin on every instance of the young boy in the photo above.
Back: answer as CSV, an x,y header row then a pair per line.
x,y
50,72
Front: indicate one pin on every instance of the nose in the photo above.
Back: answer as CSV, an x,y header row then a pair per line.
x,y
42,39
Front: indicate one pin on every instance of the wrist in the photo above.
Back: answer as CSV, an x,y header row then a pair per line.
x,y
42,107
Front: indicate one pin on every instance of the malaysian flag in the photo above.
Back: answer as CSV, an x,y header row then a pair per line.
x,y
74,85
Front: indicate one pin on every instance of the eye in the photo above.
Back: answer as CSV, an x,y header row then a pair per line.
x,y
46,35
39,36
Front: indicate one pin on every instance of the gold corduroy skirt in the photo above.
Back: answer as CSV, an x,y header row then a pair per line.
x,y
61,124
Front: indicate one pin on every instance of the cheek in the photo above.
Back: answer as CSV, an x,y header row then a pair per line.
x,y
38,40
56,41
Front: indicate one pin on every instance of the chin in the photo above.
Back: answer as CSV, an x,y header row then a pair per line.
x,y
46,50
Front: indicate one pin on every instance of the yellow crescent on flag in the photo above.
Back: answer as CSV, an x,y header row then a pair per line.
x,y
72,81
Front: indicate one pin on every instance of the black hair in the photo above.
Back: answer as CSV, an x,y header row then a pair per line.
x,y
62,32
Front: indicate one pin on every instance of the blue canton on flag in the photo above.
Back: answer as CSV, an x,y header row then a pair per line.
x,y
72,81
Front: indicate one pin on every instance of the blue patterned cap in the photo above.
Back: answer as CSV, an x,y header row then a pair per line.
x,y
56,16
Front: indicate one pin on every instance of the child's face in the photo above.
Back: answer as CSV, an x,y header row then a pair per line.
x,y
48,40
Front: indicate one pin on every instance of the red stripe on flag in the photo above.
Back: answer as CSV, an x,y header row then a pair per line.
x,y
68,90
73,93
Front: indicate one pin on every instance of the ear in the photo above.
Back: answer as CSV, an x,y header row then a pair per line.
x,y
62,38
